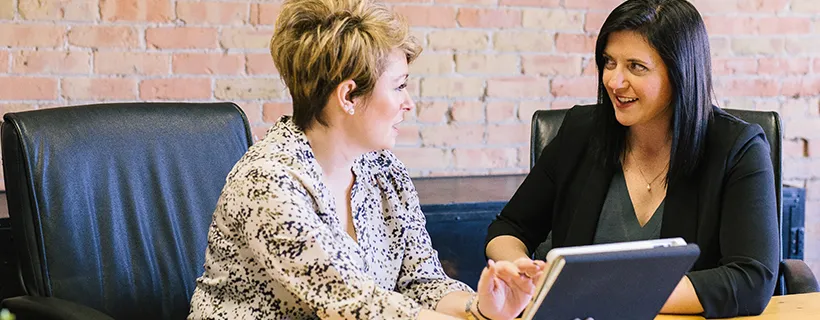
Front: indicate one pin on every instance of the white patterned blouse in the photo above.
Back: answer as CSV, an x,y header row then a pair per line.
x,y
276,249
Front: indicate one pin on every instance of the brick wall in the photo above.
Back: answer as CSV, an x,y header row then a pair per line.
x,y
487,66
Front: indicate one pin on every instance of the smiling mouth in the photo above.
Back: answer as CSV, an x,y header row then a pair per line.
x,y
626,100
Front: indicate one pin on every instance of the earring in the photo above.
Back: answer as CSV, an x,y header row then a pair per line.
x,y
350,110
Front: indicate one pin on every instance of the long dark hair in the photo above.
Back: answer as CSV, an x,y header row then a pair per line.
x,y
675,29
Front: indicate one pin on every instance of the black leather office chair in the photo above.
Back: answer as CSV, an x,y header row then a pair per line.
x,y
110,204
795,275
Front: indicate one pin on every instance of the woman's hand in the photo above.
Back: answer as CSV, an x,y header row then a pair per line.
x,y
505,288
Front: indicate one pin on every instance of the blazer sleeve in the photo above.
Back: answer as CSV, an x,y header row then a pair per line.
x,y
528,214
748,234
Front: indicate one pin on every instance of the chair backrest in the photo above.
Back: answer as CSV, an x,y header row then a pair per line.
x,y
110,204
545,125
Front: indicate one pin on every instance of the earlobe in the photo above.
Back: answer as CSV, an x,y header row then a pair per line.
x,y
343,92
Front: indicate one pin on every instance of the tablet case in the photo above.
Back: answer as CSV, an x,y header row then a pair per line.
x,y
622,285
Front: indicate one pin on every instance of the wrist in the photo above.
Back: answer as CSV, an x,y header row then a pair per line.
x,y
476,310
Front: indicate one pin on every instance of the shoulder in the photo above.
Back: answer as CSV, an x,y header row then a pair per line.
x,y
731,134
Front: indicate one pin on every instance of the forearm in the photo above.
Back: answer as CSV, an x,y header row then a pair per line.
x,y
435,315
453,303
506,248
683,300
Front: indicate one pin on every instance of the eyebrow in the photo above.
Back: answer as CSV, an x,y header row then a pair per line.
x,y
402,77
606,55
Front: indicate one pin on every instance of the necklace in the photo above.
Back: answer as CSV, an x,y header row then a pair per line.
x,y
649,183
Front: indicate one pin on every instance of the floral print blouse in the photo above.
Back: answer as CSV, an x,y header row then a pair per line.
x,y
276,249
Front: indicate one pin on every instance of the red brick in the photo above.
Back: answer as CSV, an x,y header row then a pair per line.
x,y
564,103
5,61
470,2
803,45
758,45
589,67
452,87
6,11
805,6
813,190
488,18
814,148
52,62
245,38
723,25
428,16
754,87
136,10
800,86
208,63
728,66
28,88
432,111
784,25
453,135
594,21
803,128
249,89
498,64
175,89
554,19
253,111
99,89
15,107
604,5
711,6
181,38
506,134
424,158
575,43
103,37
77,10
816,67
222,13
762,6
408,135
575,87
265,13
796,147
131,63
789,66
499,111
260,63
465,158
457,39
526,41
467,111
551,65
518,87
531,3
31,35
259,131
273,110
527,108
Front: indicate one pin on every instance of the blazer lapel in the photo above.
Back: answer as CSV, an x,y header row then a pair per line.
x,y
680,218
592,193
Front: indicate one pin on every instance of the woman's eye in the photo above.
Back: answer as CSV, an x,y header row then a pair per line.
x,y
639,67
401,87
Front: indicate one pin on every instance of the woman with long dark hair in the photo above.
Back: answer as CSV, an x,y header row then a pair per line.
x,y
655,159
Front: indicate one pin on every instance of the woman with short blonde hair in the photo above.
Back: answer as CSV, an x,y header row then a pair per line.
x,y
319,219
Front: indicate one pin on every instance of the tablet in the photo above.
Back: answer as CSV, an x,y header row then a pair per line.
x,y
628,280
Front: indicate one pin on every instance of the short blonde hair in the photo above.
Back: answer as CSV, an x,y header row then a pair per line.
x,y
317,44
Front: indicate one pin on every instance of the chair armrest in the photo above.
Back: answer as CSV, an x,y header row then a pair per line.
x,y
46,308
798,277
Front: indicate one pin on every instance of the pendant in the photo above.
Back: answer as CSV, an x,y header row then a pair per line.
x,y
649,187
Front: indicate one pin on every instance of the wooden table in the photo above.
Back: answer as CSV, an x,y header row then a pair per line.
x,y
789,307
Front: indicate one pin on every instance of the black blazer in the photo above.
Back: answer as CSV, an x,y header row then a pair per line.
x,y
727,207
